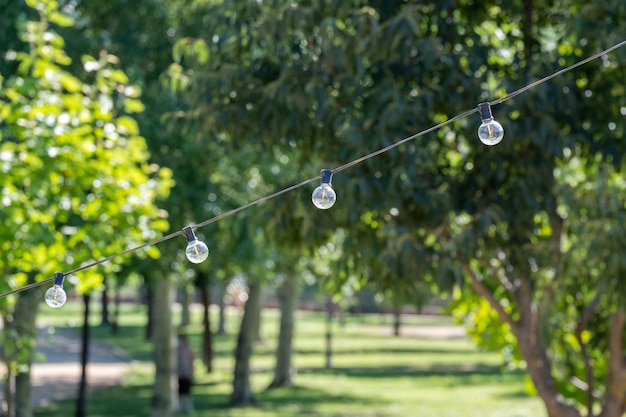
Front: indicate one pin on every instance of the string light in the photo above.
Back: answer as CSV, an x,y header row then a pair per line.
x,y
490,132
197,251
56,297
58,278
324,196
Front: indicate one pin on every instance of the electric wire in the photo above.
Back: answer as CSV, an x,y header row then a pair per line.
x,y
338,169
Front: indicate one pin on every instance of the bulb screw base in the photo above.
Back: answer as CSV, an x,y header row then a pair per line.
x,y
189,234
485,111
59,277
327,176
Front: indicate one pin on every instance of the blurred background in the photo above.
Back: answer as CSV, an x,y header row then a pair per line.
x,y
449,277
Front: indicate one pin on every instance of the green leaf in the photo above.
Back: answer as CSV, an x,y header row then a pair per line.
x,y
127,125
133,106
70,83
61,19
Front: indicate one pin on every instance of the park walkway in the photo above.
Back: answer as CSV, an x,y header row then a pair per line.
x,y
56,373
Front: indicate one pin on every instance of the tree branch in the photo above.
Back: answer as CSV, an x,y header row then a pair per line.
x,y
616,378
580,327
504,281
527,310
483,291
590,310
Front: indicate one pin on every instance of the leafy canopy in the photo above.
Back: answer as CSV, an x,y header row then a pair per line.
x,y
77,184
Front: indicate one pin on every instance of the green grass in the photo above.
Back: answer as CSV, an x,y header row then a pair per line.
x,y
373,375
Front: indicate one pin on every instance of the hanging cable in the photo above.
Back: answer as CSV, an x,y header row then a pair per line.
x,y
338,169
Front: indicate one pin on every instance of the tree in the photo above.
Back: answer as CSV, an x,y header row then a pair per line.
x,y
142,39
164,389
192,154
336,81
18,351
81,399
288,296
204,285
525,254
242,391
77,183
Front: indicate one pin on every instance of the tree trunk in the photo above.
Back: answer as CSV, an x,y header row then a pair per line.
x,y
23,394
23,326
532,349
329,334
397,321
164,352
207,336
614,398
185,301
288,296
116,309
242,392
151,312
221,322
81,401
104,311
9,393
7,408
539,368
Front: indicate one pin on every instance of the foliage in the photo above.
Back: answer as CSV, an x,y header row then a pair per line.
x,y
78,186
208,183
243,78
533,224
269,91
337,81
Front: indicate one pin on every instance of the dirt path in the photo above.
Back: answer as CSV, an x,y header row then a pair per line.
x,y
56,373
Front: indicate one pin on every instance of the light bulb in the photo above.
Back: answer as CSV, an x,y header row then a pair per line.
x,y
56,297
490,132
324,196
197,251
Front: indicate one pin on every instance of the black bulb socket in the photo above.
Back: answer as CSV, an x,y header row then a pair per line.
x,y
59,277
327,176
485,111
189,234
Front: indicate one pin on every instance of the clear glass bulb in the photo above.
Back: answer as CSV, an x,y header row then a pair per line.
x,y
324,196
490,132
197,251
56,297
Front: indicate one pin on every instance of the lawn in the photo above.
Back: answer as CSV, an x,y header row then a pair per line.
x,y
373,374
